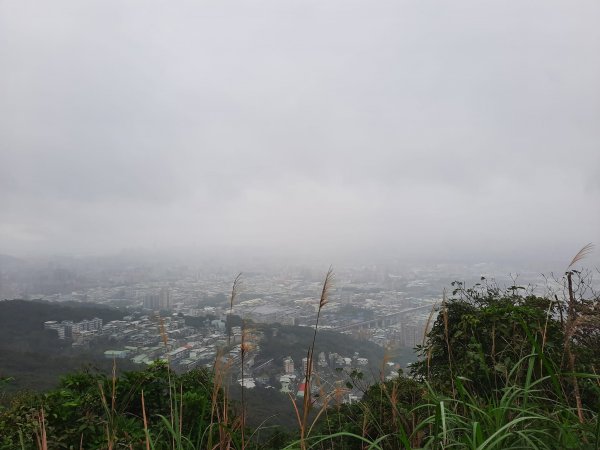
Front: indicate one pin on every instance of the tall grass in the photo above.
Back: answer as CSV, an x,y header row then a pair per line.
x,y
307,402
519,416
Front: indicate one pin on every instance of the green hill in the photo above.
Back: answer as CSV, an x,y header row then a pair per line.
x,y
35,358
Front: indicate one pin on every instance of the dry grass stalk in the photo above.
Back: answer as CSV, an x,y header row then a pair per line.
x,y
493,332
234,293
429,354
571,325
428,323
365,424
147,434
246,346
234,290
597,379
544,336
338,395
425,333
40,433
163,334
306,404
394,402
323,409
215,415
108,438
445,317
113,395
386,358
181,410
295,409
220,407
585,251
384,361
110,431
326,286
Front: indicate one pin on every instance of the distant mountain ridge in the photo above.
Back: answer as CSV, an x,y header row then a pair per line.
x,y
9,259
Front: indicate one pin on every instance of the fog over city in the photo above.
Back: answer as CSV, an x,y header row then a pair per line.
x,y
439,130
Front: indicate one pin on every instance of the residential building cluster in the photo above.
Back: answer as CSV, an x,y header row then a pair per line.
x,y
389,310
144,339
81,333
330,376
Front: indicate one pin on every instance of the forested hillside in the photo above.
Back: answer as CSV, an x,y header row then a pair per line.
x,y
35,358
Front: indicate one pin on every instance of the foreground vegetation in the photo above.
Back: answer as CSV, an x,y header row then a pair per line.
x,y
498,369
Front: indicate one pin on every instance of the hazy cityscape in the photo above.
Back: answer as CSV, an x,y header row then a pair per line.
x,y
299,224
179,313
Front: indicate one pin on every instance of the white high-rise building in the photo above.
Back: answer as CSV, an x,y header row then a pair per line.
x,y
288,365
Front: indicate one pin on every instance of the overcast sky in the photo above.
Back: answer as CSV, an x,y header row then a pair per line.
x,y
410,128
